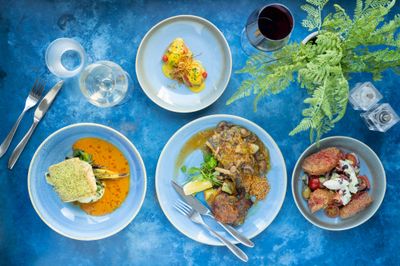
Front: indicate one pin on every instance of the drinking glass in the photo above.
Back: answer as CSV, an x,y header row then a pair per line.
x,y
104,83
65,57
267,29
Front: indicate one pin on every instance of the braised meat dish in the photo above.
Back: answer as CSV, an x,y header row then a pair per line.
x,y
233,175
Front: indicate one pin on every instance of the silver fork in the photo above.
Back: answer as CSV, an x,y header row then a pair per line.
x,y
31,101
196,217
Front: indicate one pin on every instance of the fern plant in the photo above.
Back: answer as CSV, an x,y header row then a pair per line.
x,y
344,45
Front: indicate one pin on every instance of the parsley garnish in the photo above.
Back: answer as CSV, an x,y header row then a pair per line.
x,y
206,171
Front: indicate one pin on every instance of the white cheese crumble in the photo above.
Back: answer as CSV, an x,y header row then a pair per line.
x,y
343,186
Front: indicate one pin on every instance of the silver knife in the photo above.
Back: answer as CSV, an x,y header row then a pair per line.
x,y
198,206
39,113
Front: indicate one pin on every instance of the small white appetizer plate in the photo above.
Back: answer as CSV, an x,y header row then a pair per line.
x,y
209,45
68,219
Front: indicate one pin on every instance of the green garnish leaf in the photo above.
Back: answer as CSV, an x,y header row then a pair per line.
x,y
206,171
183,169
193,170
84,156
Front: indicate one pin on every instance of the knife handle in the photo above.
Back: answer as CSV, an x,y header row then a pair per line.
x,y
238,236
6,143
235,250
21,146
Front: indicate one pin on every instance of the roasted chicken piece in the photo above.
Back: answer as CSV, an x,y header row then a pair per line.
x,y
322,162
357,204
230,209
319,199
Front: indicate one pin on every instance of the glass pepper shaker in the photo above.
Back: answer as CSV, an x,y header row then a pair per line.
x,y
380,118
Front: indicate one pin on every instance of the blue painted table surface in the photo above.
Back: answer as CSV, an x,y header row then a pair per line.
x,y
113,30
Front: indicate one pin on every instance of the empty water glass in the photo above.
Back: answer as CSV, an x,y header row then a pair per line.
x,y
65,57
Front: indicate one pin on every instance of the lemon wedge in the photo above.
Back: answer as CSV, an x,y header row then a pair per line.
x,y
196,186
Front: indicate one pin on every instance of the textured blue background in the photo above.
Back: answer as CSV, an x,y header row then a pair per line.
x,y
113,30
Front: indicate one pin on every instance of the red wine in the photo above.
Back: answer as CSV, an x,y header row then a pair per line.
x,y
275,22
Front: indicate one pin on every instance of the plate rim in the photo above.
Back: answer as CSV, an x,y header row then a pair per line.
x,y
298,204
221,116
146,36
141,163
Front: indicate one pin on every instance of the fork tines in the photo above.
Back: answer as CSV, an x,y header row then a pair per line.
x,y
182,207
37,89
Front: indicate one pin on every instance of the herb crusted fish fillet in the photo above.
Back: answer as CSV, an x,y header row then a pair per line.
x,y
72,179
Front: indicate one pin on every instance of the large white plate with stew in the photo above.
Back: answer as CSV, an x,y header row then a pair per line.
x,y
260,215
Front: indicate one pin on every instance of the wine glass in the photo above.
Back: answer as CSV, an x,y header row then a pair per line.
x,y
104,83
267,29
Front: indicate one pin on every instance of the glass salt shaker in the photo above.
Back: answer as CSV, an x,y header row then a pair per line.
x,y
364,96
380,118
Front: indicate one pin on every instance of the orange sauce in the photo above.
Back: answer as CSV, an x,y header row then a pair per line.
x,y
116,190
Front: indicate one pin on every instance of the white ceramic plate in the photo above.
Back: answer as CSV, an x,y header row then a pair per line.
x,y
260,215
206,41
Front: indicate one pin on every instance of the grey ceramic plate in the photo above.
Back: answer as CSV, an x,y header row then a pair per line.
x,y
206,41
370,165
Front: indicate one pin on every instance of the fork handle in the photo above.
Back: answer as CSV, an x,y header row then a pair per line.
x,y
238,236
235,250
21,145
6,143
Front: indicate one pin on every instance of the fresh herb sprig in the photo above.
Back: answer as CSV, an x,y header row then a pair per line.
x,y
84,156
206,171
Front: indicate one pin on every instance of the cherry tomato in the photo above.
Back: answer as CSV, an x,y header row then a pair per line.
x,y
314,183
204,74
352,158
165,58
363,183
332,211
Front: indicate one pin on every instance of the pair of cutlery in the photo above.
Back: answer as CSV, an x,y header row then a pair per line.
x,y
33,98
193,209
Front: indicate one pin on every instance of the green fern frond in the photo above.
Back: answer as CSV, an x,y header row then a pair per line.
x,y
313,9
304,125
358,10
244,90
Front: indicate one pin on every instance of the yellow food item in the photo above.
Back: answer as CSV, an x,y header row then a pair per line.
x,y
210,195
180,65
196,186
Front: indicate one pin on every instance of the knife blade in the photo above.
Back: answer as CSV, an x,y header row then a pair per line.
x,y
38,115
199,207
192,201
47,101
